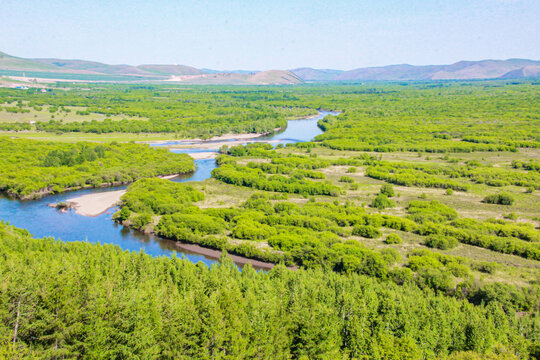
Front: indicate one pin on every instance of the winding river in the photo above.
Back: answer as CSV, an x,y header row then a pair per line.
x,y
42,221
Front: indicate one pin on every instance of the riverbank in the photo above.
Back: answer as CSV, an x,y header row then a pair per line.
x,y
69,225
216,254
98,203
226,137
95,204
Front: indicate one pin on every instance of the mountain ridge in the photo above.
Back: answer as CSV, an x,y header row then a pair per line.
x,y
513,68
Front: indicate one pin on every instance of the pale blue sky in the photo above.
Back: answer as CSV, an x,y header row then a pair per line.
x,y
272,34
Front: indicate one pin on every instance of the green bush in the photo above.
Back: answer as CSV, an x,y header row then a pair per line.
x,y
441,242
346,179
366,231
141,220
393,239
252,230
382,202
485,267
122,215
500,199
387,190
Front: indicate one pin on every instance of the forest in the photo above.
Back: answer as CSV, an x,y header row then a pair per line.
x,y
31,169
409,229
79,300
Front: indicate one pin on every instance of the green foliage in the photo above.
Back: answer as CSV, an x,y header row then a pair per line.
x,y
437,118
32,168
500,199
346,179
441,242
387,190
159,196
122,215
141,220
256,179
251,230
188,112
434,211
382,202
485,267
120,304
393,239
366,231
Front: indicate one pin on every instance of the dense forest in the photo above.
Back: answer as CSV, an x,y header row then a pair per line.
x,y
31,169
79,300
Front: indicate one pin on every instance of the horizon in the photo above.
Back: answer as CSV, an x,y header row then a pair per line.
x,y
260,70
279,35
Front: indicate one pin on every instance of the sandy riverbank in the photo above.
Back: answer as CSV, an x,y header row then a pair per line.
x,y
216,145
97,203
226,137
203,155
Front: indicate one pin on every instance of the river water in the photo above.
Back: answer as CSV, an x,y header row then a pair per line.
x,y
42,221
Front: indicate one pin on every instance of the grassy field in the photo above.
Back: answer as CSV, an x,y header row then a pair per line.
x,y
66,114
513,269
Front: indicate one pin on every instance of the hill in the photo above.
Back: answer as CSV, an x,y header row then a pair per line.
x,y
8,62
310,74
83,70
463,70
275,77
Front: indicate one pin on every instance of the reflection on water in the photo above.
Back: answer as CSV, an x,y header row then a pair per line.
x,y
41,220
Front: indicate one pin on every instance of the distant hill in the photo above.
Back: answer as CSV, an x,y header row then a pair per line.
x,y
168,70
484,69
61,69
271,77
309,74
275,77
8,62
83,70
532,71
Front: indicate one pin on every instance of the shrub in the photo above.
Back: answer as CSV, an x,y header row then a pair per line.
x,y
449,191
393,239
485,267
382,202
390,256
351,170
511,216
434,211
387,190
122,215
346,179
252,230
500,199
366,231
441,242
141,220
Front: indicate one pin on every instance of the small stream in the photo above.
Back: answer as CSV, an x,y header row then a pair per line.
x,y
42,221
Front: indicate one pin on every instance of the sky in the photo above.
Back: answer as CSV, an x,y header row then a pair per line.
x,y
271,34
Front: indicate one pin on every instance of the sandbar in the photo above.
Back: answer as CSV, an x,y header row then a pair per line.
x,y
97,203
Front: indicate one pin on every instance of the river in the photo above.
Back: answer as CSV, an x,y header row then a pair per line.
x,y
42,221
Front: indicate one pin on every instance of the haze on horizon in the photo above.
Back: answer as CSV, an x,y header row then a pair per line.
x,y
261,35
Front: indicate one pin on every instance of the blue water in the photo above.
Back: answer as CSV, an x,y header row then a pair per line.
x,y
42,220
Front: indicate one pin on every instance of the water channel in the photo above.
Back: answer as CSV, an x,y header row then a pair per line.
x,y
42,220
